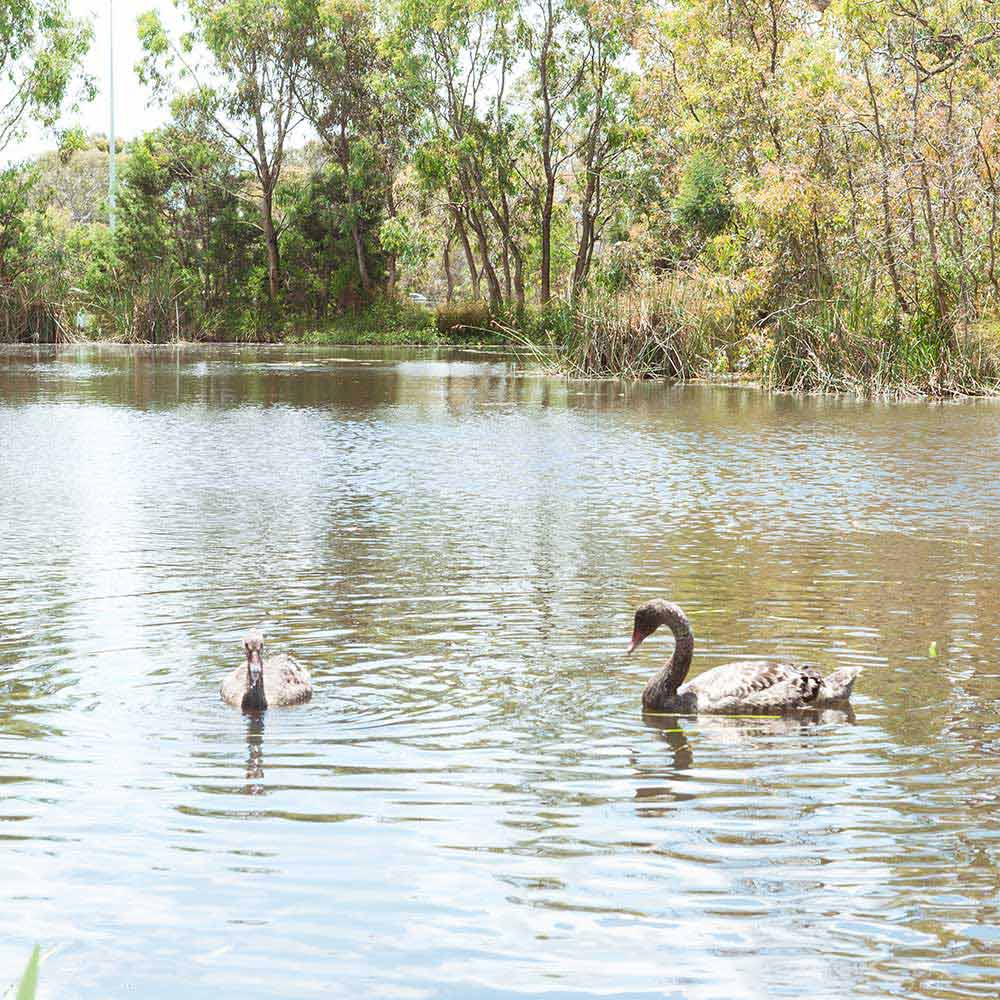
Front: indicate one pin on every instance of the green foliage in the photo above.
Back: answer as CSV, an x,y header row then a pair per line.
x,y
387,321
187,247
41,46
411,246
703,204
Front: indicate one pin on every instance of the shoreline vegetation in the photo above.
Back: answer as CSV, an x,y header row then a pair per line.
x,y
659,334
803,195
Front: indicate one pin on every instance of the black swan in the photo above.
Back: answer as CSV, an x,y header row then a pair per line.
x,y
754,686
260,684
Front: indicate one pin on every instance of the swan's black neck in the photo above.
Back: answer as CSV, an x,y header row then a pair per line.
x,y
254,699
662,689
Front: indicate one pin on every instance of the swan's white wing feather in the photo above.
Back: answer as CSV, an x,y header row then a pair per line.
x,y
755,684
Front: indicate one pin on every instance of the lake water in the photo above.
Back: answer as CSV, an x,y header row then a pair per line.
x,y
473,806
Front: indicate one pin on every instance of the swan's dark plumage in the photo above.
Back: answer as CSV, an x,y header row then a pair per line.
x,y
766,686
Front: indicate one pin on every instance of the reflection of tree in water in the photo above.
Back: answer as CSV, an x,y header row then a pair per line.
x,y
255,756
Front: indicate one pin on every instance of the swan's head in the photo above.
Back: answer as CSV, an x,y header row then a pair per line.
x,y
253,646
651,615
647,621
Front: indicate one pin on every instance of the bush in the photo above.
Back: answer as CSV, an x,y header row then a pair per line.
x,y
465,320
703,204
387,321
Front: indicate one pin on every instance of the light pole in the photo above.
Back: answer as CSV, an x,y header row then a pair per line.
x,y
112,145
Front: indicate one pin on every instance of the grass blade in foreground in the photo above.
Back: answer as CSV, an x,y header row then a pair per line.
x,y
29,981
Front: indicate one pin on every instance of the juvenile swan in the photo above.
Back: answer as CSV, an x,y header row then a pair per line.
x,y
743,686
270,683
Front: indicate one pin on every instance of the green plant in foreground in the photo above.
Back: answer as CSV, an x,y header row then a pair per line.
x,y
28,987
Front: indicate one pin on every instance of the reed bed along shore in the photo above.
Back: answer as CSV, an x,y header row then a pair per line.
x,y
699,327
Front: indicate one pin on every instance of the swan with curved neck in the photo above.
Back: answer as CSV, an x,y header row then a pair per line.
x,y
743,686
260,684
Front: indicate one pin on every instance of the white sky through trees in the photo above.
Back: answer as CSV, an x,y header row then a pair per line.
x,y
136,110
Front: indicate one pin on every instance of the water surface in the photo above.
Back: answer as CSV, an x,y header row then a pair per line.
x,y
473,806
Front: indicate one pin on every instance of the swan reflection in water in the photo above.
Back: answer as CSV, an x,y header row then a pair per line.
x,y
664,782
745,728
255,755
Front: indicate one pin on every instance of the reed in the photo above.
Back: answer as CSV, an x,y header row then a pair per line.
x,y
694,325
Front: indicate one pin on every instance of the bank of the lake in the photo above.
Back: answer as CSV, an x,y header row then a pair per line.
x,y
673,330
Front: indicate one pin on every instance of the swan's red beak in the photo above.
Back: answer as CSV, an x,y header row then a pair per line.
x,y
637,638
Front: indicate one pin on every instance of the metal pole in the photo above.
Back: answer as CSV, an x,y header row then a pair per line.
x,y
112,144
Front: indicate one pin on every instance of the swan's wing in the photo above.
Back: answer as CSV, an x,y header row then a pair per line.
x,y
234,686
286,681
756,684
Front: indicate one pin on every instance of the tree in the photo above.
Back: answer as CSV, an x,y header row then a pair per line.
x,y
579,113
184,234
359,96
245,58
41,46
531,118
477,134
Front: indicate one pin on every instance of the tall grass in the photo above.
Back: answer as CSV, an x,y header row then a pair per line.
x,y
674,329
848,345
702,326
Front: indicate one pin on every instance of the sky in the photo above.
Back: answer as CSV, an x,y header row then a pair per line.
x,y
136,111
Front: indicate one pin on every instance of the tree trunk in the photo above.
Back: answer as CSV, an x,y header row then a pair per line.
x,y
585,247
519,284
545,290
359,250
390,210
492,281
940,293
470,257
344,155
545,277
271,238
888,236
448,276
393,277
479,228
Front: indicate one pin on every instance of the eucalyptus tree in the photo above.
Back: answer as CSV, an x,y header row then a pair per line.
x,y
927,74
41,46
244,59
476,144
361,96
532,123
581,116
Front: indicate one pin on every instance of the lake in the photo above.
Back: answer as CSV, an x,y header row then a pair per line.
x,y
473,805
